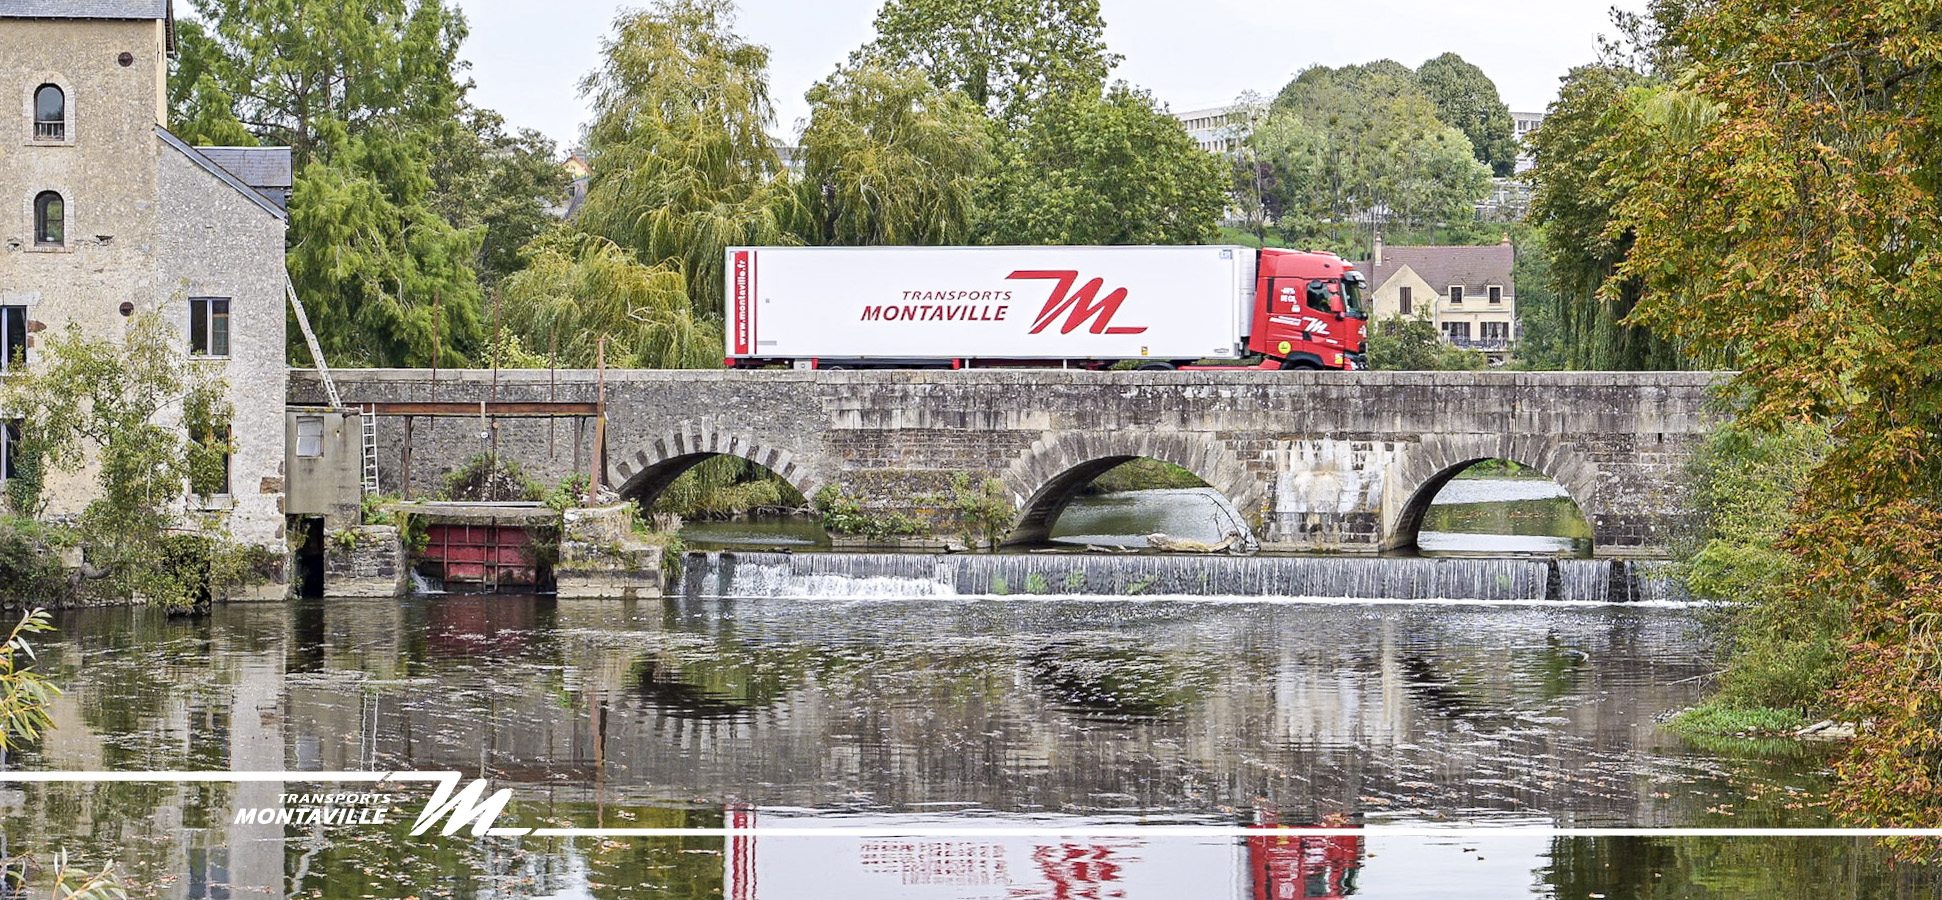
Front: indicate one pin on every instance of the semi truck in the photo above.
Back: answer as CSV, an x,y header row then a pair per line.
x,y
1197,307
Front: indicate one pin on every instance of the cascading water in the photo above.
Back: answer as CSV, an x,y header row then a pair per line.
x,y
893,575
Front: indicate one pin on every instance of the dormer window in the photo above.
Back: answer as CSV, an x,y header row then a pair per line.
x,y
50,220
50,113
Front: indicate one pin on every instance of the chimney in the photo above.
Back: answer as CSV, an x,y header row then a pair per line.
x,y
1375,256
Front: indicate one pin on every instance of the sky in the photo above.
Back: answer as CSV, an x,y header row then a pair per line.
x,y
528,57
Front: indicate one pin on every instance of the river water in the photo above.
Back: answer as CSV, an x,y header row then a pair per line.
x,y
910,715
1030,742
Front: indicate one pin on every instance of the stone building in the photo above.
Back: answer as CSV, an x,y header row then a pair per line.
x,y
1467,292
105,215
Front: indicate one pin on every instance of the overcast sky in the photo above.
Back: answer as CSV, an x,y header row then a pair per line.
x,y
528,56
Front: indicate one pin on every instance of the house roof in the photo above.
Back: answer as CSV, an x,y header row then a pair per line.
x,y
96,9
223,174
258,167
84,9
1472,267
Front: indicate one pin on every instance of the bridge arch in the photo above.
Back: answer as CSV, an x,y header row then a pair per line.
x,y
666,457
1441,458
1049,474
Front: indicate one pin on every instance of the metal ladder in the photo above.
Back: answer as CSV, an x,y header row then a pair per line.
x,y
370,429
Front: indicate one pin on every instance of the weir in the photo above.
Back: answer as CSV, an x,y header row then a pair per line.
x,y
856,576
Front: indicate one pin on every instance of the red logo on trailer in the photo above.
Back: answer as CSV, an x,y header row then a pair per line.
x,y
1079,305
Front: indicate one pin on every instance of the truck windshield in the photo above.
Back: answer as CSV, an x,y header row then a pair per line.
x,y
1352,295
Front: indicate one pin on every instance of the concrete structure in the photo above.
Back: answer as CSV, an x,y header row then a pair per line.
x,y
1524,123
1213,129
1315,460
105,215
1467,292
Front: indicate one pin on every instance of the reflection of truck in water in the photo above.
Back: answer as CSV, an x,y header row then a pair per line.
x,y
1084,307
1273,863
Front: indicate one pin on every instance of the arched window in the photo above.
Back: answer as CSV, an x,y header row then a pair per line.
x,y
50,114
50,219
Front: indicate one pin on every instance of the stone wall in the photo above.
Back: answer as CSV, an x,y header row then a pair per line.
x,y
1315,460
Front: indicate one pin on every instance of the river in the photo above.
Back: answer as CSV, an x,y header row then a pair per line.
x,y
994,746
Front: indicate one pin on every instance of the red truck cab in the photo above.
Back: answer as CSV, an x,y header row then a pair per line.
x,y
1308,312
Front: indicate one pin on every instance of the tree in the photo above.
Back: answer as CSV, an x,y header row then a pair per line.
x,y
1006,55
1466,99
1783,215
1590,154
506,184
683,164
1364,143
578,289
1413,344
891,159
1116,170
361,91
128,407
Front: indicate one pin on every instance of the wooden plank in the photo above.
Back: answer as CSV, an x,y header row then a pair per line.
x,y
522,408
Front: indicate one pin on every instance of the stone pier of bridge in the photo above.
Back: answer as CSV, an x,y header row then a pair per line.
x,y
1320,461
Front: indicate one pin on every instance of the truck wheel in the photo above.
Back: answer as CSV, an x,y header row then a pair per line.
x,y
1154,367
1299,365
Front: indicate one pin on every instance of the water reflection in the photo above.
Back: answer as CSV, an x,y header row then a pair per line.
x,y
1504,515
921,711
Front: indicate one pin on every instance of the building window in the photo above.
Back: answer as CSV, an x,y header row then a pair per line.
x,y
209,326
50,219
1495,331
1457,331
9,441
50,114
1496,294
13,336
1456,293
1403,297
310,436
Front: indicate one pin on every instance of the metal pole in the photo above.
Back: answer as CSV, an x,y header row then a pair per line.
x,y
552,388
494,428
437,322
599,423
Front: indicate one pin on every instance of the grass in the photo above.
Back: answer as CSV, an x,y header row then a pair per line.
x,y
1718,720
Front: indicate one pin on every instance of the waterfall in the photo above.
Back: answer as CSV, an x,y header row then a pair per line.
x,y
893,575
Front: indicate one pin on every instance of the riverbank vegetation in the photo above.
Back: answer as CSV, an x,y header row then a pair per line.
x,y
1747,184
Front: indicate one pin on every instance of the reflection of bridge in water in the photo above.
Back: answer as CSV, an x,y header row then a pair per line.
x,y
1314,460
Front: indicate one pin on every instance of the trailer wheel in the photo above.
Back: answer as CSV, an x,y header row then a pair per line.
x,y
1154,367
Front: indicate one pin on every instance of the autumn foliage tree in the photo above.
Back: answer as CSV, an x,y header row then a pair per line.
x,y
1786,217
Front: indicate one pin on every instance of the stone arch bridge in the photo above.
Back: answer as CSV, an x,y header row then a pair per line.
x,y
1314,460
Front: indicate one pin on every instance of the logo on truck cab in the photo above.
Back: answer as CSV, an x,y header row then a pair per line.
x,y
1076,306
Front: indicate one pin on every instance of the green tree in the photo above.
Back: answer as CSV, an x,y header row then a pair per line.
x,y
1589,157
507,184
1414,344
1116,170
891,159
362,91
1466,99
128,407
683,163
578,289
1008,56
1365,141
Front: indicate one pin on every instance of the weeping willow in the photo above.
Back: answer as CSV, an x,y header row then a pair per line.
x,y
581,288
683,163
889,158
